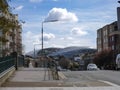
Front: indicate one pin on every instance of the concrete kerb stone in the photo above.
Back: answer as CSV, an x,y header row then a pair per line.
x,y
61,88
5,75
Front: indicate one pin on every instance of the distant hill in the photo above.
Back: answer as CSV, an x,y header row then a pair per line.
x,y
39,52
47,51
68,52
31,53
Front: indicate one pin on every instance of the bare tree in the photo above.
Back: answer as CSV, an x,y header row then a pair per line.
x,y
64,62
104,59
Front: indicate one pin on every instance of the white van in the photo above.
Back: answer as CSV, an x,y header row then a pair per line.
x,y
118,62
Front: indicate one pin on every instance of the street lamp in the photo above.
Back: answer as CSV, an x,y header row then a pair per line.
x,y
42,39
34,49
42,32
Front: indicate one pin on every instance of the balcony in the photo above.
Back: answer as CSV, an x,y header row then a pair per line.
x,y
115,32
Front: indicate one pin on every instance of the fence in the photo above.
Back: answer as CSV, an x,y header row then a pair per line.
x,y
21,61
6,63
9,61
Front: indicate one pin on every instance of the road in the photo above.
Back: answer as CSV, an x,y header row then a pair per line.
x,y
93,78
34,77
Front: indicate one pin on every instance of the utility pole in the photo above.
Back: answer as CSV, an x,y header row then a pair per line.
x,y
35,50
42,38
42,55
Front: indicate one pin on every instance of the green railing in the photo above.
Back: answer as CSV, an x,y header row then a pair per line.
x,y
20,61
6,63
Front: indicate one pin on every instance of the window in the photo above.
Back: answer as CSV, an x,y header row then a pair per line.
x,y
113,47
112,38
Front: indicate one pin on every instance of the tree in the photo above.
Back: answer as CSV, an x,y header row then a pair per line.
x,y
104,59
64,62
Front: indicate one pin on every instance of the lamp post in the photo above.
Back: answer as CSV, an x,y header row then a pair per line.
x,y
43,43
42,38
34,49
42,32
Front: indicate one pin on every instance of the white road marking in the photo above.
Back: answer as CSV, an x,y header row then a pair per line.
x,y
112,84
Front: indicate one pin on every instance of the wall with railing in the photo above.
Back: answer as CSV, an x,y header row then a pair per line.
x,y
21,61
6,63
11,61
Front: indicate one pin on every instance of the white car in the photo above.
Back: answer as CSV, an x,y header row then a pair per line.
x,y
92,66
118,62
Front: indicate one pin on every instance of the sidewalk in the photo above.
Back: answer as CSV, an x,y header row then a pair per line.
x,y
61,88
40,79
32,77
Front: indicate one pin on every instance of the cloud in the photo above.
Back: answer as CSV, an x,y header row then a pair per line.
x,y
66,38
78,31
37,37
61,15
35,1
75,41
19,8
30,38
57,45
34,39
48,36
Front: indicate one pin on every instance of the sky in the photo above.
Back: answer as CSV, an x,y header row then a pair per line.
x,y
77,21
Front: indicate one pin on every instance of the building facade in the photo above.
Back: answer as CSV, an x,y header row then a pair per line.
x,y
108,37
10,31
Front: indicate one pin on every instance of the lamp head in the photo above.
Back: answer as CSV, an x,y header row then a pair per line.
x,y
50,21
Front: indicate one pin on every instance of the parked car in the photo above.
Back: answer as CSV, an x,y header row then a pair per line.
x,y
59,68
92,66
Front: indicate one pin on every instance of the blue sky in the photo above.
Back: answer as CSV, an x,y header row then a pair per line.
x,y
77,25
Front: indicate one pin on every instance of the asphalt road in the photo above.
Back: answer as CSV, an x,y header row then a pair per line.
x,y
33,77
93,76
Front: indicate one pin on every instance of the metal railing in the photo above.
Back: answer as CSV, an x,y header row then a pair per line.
x,y
20,61
6,63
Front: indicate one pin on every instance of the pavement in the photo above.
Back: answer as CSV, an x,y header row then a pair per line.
x,y
60,88
41,79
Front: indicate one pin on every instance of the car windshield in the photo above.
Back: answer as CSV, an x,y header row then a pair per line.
x,y
92,65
